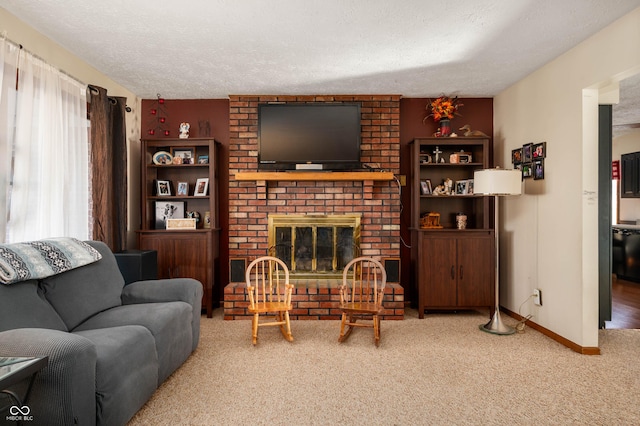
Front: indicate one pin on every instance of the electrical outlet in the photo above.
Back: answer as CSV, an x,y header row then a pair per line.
x,y
537,297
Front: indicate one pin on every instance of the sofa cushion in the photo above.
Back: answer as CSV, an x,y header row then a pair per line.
x,y
126,371
169,323
22,305
83,292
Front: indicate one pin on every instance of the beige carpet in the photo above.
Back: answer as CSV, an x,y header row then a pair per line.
x,y
440,370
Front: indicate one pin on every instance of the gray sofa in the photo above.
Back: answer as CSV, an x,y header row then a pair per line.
x,y
109,345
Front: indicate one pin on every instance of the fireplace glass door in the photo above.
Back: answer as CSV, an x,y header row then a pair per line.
x,y
317,247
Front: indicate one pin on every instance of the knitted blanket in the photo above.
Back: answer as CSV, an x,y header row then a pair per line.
x,y
43,258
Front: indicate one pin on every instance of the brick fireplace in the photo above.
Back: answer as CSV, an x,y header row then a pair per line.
x,y
377,203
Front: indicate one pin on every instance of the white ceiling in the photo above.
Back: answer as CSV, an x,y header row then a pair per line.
x,y
209,49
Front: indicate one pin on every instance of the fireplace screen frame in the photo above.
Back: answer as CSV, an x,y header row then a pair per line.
x,y
307,264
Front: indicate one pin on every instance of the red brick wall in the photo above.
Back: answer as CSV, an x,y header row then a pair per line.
x,y
250,204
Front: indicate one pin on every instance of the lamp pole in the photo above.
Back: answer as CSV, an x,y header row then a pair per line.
x,y
495,325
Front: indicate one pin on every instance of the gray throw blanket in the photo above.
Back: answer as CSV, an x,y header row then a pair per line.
x,y
43,258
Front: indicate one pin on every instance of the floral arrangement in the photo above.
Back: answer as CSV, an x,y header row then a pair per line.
x,y
443,107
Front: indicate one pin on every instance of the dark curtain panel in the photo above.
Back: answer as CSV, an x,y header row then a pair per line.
x,y
109,168
119,150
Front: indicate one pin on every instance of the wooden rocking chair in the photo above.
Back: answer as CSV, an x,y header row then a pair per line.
x,y
361,293
269,292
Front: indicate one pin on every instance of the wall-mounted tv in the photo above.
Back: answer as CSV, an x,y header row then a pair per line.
x,y
309,136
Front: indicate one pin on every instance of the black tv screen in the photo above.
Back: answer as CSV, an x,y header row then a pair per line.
x,y
312,136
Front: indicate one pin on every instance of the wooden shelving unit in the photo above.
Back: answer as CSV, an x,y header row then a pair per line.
x,y
189,253
454,267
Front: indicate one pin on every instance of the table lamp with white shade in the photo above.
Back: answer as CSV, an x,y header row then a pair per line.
x,y
497,182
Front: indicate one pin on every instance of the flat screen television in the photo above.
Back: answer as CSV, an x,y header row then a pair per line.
x,y
309,136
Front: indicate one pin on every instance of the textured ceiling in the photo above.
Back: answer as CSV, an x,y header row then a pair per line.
x,y
416,48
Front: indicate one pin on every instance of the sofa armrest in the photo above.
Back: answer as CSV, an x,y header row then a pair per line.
x,y
168,290
64,391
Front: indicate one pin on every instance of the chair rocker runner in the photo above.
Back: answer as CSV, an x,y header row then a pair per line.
x,y
269,291
361,294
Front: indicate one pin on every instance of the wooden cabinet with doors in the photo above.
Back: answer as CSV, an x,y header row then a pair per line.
x,y
456,270
630,165
453,268
177,186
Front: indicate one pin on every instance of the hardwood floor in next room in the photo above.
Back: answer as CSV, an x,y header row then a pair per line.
x,y
625,304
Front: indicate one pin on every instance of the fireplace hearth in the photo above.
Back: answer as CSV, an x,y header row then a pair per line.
x,y
314,245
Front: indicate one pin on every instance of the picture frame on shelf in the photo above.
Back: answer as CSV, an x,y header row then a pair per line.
x,y
464,187
539,150
538,169
202,185
162,158
168,210
460,158
187,154
425,187
163,188
527,170
527,153
516,156
203,159
183,189
465,158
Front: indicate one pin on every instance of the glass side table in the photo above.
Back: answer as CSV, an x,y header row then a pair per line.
x,y
12,371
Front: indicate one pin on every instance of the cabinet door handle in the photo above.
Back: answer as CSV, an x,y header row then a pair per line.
x,y
461,272
453,272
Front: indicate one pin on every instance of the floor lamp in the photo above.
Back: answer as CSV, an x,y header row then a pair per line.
x,y
497,182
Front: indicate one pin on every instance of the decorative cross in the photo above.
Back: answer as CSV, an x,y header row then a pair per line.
x,y
437,152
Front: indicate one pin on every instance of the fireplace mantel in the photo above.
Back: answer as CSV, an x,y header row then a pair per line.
x,y
310,176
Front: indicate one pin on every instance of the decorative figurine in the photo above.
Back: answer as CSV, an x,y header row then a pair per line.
x,y
184,130
437,152
471,133
439,190
194,215
448,186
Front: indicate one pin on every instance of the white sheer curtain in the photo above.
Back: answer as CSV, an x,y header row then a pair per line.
x,y
48,192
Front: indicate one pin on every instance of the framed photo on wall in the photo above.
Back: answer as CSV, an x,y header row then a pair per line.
x,y
539,150
527,153
202,185
516,156
527,170
538,169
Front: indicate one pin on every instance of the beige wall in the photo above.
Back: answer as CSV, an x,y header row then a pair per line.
x,y
19,32
550,232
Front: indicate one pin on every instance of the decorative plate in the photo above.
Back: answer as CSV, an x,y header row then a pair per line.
x,y
162,157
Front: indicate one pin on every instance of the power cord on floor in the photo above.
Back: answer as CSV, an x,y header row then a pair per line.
x,y
522,323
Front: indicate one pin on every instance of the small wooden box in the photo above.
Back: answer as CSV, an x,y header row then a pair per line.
x,y
430,221
181,223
